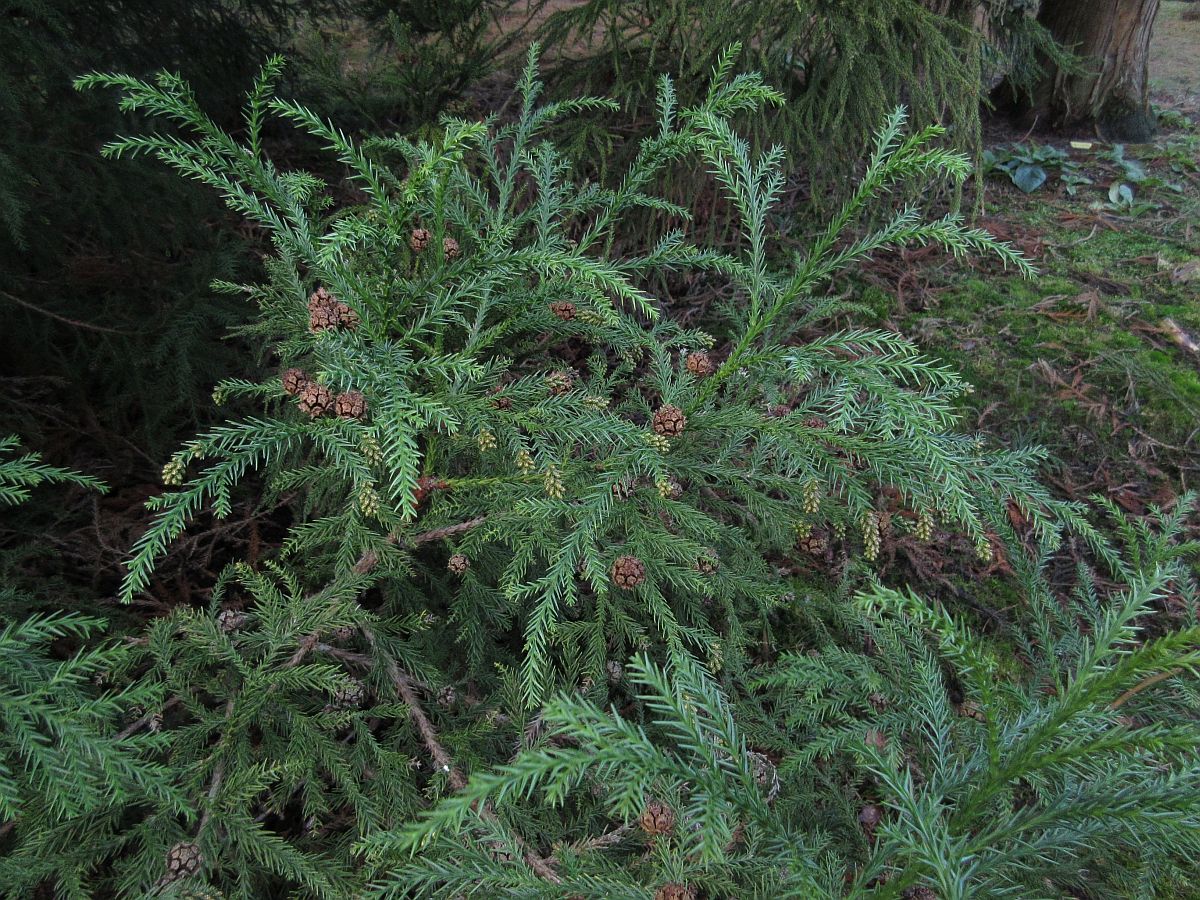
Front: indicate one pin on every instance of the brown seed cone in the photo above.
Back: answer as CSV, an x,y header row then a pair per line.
x,y
294,381
709,563
458,564
699,363
419,239
628,572
323,317
624,488
230,619
869,817
778,411
877,739
316,400
183,861
320,297
815,422
502,402
564,309
346,317
813,544
674,488
350,405
766,775
673,890
657,818
350,695
560,382
669,420
450,248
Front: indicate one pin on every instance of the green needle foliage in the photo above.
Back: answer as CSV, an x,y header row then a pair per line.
x,y
61,760
1079,777
543,491
20,474
509,471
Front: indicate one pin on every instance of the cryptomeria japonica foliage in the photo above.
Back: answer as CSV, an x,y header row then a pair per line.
x,y
512,473
459,353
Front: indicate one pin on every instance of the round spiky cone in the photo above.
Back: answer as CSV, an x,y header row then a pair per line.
x,y
231,619
564,309
708,563
346,317
628,572
458,564
350,695
450,248
294,381
669,488
560,382
326,312
419,239
183,861
623,488
657,818
350,405
320,297
673,890
669,420
699,363
323,317
812,543
316,400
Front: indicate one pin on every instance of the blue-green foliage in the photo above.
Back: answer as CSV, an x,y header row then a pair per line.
x,y
425,694
439,336
1078,774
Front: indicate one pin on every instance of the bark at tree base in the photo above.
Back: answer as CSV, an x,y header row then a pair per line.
x,y
1128,124
1109,93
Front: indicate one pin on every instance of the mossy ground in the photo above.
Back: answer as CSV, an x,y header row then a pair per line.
x,y
1098,358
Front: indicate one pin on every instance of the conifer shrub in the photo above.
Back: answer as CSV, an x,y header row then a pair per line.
x,y
537,628
62,757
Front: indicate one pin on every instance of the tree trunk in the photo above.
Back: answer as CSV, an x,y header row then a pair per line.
x,y
1110,91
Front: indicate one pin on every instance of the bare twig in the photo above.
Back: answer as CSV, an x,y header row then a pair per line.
x,y
370,559
1141,686
441,758
218,777
75,323
137,725
438,534
428,734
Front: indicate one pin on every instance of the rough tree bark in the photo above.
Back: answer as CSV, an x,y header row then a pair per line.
x,y
1110,93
